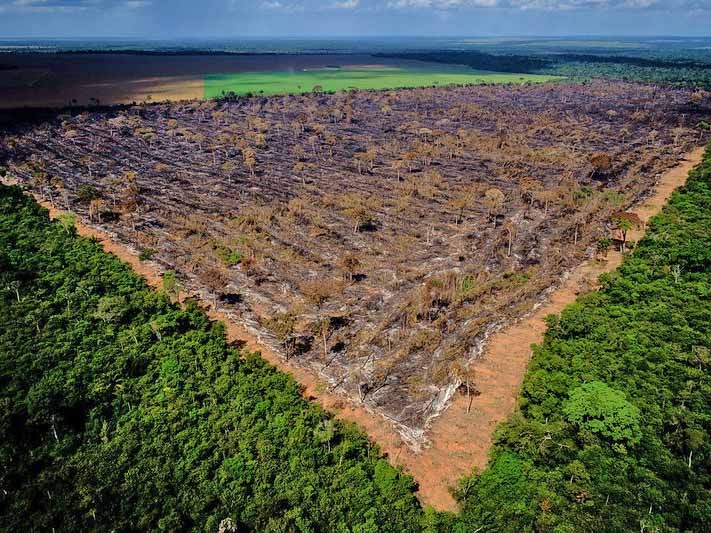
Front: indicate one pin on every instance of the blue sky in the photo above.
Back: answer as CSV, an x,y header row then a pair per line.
x,y
323,18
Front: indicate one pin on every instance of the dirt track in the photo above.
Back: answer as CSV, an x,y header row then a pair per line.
x,y
458,442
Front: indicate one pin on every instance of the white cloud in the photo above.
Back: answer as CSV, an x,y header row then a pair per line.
x,y
315,6
68,6
287,7
345,4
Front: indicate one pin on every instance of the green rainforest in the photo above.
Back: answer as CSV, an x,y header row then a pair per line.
x,y
120,411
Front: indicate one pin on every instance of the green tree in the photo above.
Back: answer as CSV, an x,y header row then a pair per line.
x,y
171,284
598,408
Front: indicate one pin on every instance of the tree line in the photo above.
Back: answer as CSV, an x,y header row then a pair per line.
x,y
680,70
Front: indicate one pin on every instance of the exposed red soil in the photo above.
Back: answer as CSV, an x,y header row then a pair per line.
x,y
458,442
461,436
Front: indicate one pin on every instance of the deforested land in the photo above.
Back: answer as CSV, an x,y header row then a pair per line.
x,y
123,411
374,238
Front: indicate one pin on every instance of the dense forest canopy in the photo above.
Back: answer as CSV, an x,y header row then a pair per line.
x,y
122,411
664,66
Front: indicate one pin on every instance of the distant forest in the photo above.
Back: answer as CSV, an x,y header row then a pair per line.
x,y
577,66
122,411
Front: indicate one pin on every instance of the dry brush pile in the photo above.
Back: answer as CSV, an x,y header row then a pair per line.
x,y
376,237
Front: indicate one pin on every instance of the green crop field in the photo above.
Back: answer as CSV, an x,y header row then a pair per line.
x,y
335,79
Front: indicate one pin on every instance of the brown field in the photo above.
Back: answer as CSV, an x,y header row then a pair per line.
x,y
55,80
375,239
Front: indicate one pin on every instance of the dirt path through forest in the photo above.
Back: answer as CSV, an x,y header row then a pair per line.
x,y
462,435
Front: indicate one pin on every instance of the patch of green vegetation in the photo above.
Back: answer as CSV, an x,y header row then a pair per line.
x,y
228,256
603,245
518,278
87,193
67,221
467,284
338,79
146,254
613,198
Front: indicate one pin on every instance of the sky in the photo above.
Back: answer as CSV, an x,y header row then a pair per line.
x,y
165,19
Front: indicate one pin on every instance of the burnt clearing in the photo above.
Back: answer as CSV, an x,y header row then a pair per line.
x,y
377,238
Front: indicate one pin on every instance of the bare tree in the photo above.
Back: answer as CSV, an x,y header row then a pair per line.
x,y
323,329
250,160
493,200
349,263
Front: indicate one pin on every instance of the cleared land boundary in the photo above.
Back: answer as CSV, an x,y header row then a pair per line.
x,y
462,436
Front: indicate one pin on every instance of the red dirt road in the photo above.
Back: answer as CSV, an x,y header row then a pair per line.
x,y
461,441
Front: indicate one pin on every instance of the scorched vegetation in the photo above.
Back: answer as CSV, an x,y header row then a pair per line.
x,y
375,237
